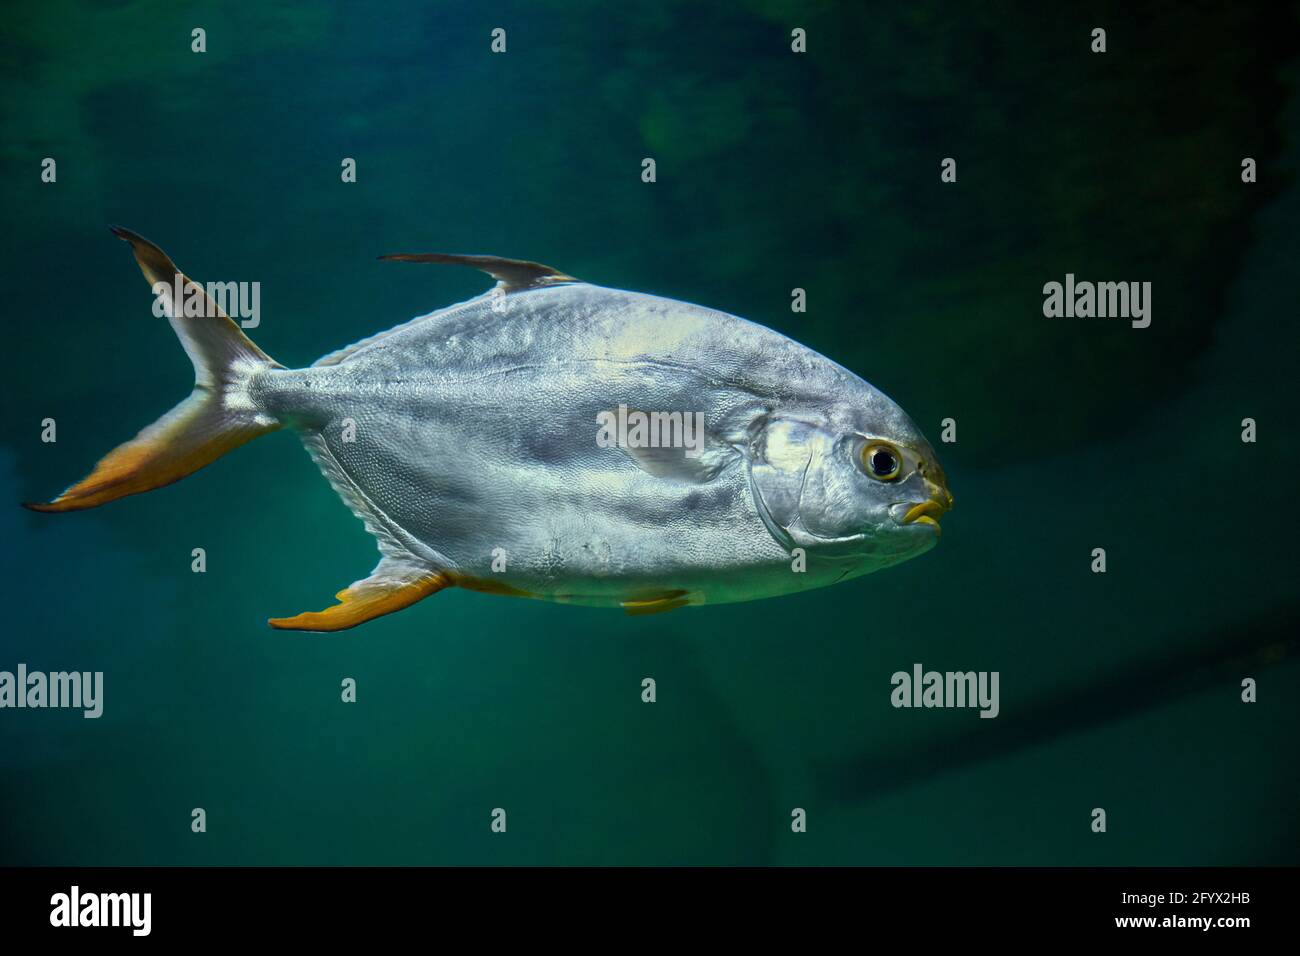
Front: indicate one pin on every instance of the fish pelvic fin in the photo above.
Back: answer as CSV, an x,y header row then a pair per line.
x,y
656,603
217,416
392,586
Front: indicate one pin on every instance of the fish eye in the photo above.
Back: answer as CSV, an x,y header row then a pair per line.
x,y
882,462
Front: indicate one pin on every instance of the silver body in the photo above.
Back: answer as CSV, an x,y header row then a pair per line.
x,y
474,442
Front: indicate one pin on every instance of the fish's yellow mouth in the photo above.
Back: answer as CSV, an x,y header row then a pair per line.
x,y
927,512
940,500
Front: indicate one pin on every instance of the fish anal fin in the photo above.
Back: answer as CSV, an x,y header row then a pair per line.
x,y
388,589
657,604
512,275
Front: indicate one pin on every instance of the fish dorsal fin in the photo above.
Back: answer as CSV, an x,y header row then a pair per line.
x,y
512,275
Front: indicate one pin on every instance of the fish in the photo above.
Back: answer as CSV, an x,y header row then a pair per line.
x,y
557,440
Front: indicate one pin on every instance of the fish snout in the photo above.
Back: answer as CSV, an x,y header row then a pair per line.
x,y
929,511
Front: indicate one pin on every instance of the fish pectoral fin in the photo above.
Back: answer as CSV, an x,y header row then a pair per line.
x,y
695,465
390,587
656,604
672,464
512,275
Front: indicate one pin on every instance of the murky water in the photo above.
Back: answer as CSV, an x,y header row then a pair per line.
x,y
775,171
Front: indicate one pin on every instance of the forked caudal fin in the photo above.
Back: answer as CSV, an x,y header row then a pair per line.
x,y
216,417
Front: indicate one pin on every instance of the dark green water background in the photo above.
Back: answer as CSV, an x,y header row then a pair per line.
x,y
775,170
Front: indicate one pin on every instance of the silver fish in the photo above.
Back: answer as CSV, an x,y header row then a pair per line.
x,y
559,440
